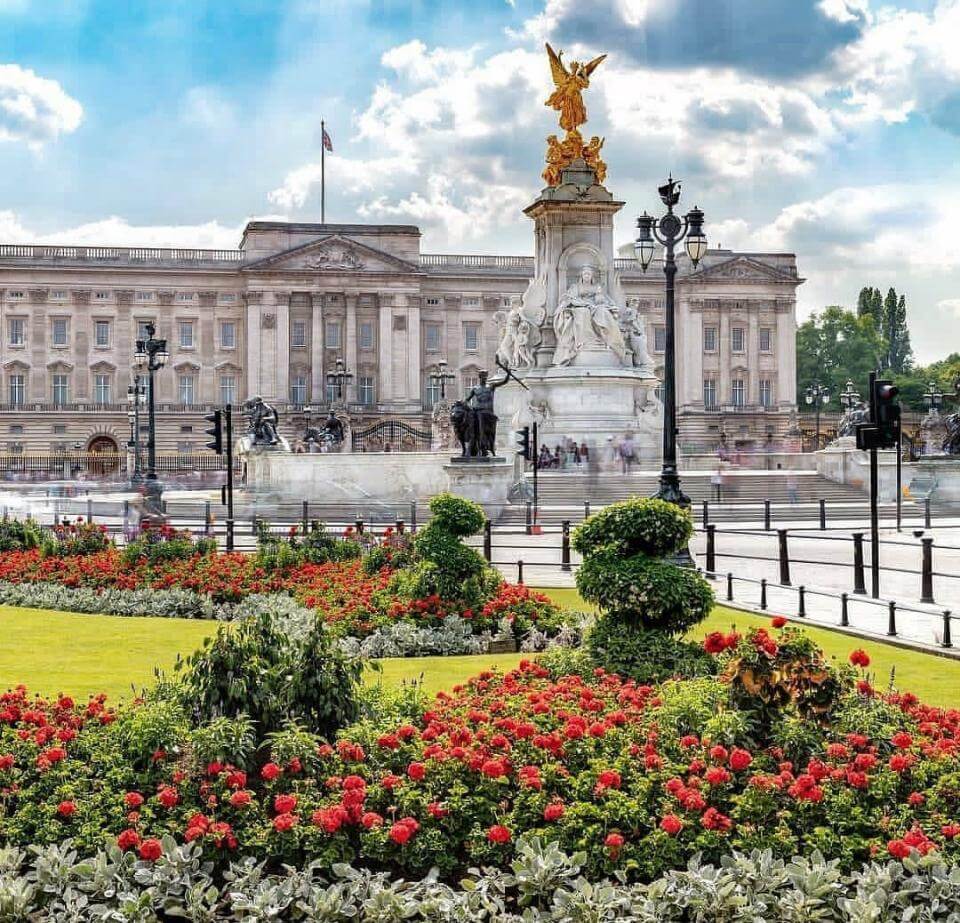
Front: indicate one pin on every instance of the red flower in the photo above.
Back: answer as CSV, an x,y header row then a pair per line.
x,y
284,804
898,849
671,824
554,811
403,830
715,643
240,799
284,822
902,740
151,850
778,621
371,819
417,771
498,834
168,797
614,842
67,808
133,800
128,839
860,658
270,771
740,759
713,820
950,831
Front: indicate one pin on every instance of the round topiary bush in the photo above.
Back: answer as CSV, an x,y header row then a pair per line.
x,y
456,516
626,572
649,527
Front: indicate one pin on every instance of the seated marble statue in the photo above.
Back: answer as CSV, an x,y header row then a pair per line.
x,y
585,314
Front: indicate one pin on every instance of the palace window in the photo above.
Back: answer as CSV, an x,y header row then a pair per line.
x,y
298,390
298,334
60,389
431,338
59,429
471,337
710,393
766,392
186,386
59,295
471,301
366,334
101,389
144,296
736,339
58,327
228,389
17,295
333,334
709,339
659,339
764,339
737,392
366,391
432,302
228,334
228,297
470,380
15,448
186,334
332,394
17,389
17,329
101,333
142,329
101,296
431,392
658,391
184,296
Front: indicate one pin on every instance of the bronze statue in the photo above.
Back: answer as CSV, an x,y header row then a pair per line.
x,y
951,444
263,421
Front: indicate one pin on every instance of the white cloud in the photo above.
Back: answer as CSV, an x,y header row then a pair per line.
x,y
949,305
34,109
118,232
344,174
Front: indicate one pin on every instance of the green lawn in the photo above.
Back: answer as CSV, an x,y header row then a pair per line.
x,y
53,652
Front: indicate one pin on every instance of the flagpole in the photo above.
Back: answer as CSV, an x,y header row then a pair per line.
x,y
323,176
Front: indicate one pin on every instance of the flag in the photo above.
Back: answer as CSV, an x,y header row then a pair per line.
x,y
327,143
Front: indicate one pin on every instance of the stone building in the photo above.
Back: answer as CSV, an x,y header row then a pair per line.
x,y
273,317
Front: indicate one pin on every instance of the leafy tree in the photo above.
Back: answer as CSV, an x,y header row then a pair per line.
x,y
834,346
870,304
898,353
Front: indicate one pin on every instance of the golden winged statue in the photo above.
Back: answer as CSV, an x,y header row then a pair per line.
x,y
570,83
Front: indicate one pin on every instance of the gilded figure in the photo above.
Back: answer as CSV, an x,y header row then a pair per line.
x,y
570,82
591,155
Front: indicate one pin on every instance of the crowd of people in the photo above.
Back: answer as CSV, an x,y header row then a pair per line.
x,y
617,454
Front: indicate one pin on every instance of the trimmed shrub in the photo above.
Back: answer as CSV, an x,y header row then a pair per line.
x,y
456,515
78,538
646,656
17,535
156,545
650,527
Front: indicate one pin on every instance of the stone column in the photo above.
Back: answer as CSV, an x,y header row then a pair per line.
x,y
165,380
317,391
282,347
398,349
37,332
252,334
385,350
753,352
414,372
691,388
207,349
786,383
723,349
350,343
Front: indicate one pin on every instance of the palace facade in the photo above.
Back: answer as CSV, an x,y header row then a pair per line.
x,y
273,317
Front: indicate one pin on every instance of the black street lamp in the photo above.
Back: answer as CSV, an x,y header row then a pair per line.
x,y
933,397
439,377
818,394
342,376
136,397
849,397
151,354
669,231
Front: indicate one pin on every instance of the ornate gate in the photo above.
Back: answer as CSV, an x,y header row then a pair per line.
x,y
391,436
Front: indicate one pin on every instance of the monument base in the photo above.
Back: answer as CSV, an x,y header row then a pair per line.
x,y
372,477
591,406
936,477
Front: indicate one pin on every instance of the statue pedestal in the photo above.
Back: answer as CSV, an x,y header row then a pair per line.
x,y
484,480
936,477
588,405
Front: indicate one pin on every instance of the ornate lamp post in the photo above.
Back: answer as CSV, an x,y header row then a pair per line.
x,y
342,376
136,396
439,376
933,397
818,394
849,397
151,354
669,231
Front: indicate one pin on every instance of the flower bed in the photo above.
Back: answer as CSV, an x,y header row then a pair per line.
x,y
637,778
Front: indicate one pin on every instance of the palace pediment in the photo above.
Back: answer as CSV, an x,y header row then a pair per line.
x,y
742,269
333,254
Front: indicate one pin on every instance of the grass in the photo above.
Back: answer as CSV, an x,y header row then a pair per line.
x,y
53,652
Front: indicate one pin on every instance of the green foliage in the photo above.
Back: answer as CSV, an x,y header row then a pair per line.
x,y
315,546
69,539
646,591
638,526
257,669
456,515
166,544
19,535
644,655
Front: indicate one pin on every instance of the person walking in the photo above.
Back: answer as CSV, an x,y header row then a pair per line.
x,y
717,482
627,453
792,489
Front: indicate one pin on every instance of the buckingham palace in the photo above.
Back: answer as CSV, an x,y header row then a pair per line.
x,y
276,315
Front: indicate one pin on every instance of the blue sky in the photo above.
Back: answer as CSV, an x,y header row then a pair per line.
x,y
825,127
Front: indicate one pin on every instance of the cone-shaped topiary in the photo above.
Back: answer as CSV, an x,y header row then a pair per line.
x,y
624,571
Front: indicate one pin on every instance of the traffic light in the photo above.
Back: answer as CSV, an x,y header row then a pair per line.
x,y
216,431
523,442
888,413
